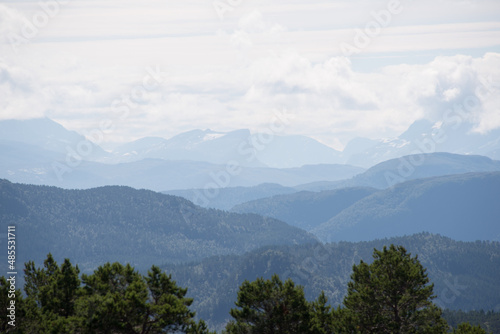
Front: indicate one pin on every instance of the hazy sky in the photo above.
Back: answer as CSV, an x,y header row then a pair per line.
x,y
338,69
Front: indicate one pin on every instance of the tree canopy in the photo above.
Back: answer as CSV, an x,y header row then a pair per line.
x,y
270,306
114,299
391,295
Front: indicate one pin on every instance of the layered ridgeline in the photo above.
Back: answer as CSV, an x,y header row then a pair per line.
x,y
424,136
391,172
257,149
463,207
380,176
465,274
226,198
305,209
140,227
26,163
416,166
41,151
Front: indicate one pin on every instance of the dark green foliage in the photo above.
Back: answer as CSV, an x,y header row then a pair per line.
x,y
118,299
168,305
114,299
6,296
392,295
270,306
464,273
51,295
199,327
122,224
305,209
467,328
325,319
490,321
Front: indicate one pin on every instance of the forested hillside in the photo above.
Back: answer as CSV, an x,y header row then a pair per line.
x,y
465,274
410,167
390,172
228,197
305,209
123,224
392,294
463,207
489,320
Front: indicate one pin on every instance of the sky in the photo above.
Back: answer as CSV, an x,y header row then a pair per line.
x,y
335,70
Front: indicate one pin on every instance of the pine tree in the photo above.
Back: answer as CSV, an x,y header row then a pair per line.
x,y
114,299
6,297
168,305
270,306
117,299
467,328
392,295
51,295
323,317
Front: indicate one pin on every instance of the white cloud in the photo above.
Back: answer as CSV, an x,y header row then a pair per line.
x,y
20,95
252,22
12,22
263,56
330,95
241,39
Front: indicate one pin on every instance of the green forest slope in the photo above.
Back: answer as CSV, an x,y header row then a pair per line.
x,y
465,274
123,224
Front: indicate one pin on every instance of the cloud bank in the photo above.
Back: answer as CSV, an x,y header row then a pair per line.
x,y
234,72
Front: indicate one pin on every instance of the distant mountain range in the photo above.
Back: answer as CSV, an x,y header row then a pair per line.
x,y
117,223
241,146
239,205
225,170
249,150
411,167
42,152
391,172
380,176
261,149
277,151
49,136
140,227
461,206
29,164
455,136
